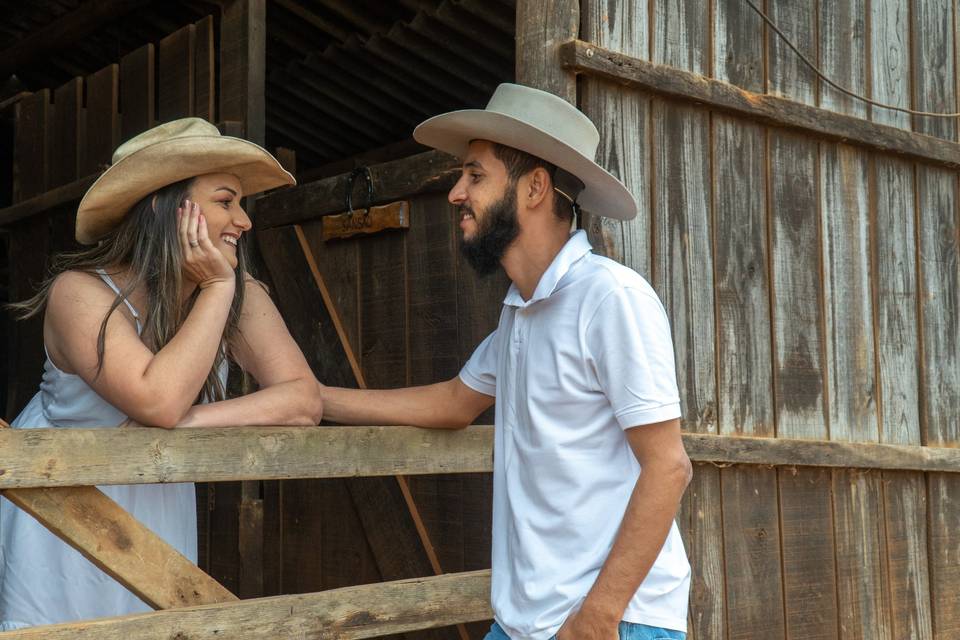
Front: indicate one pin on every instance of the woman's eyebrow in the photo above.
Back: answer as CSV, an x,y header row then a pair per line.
x,y
226,189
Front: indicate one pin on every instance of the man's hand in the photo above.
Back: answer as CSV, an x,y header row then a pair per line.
x,y
584,626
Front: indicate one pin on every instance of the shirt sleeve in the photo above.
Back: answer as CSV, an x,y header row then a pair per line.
x,y
631,352
480,371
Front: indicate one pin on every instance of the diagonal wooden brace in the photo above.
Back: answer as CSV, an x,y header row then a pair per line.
x,y
116,542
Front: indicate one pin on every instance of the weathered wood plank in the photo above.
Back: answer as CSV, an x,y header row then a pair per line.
x,y
796,289
691,87
46,201
843,47
850,349
243,42
702,528
423,173
905,506
939,281
862,590
102,120
943,512
29,245
933,69
355,612
541,26
742,279
137,91
58,457
890,55
809,569
751,543
65,151
895,257
113,540
683,255
623,118
204,92
787,75
177,70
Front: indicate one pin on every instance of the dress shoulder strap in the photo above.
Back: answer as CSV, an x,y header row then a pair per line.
x,y
113,285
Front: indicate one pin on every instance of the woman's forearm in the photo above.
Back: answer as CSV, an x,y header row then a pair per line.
x,y
176,373
296,402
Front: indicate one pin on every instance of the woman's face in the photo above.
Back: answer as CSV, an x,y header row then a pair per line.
x,y
218,195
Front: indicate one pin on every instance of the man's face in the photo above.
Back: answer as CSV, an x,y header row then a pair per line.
x,y
486,199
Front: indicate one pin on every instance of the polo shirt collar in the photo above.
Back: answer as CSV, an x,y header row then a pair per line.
x,y
575,248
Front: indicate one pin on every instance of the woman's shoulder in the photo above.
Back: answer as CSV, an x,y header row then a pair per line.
x,y
71,290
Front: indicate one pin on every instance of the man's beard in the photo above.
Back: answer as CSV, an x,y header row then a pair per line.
x,y
495,233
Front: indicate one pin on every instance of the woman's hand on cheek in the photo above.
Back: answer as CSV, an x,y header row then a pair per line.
x,y
203,263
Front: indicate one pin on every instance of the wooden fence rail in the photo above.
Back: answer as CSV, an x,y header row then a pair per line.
x,y
71,457
366,611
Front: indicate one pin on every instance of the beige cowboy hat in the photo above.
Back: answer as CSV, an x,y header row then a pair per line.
x,y
543,125
165,154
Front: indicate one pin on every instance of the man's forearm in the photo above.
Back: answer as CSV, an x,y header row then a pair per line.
x,y
646,523
434,405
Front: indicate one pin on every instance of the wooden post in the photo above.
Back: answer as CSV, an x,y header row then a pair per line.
x,y
542,26
242,87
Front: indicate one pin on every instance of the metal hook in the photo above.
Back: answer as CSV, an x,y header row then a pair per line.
x,y
351,179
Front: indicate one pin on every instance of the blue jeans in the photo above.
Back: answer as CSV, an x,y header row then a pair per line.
x,y
628,631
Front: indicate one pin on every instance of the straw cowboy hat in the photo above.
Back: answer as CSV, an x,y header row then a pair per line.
x,y
166,154
543,125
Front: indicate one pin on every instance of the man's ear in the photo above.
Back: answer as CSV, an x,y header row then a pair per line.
x,y
538,187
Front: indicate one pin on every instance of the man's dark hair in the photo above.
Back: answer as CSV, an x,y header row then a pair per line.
x,y
520,163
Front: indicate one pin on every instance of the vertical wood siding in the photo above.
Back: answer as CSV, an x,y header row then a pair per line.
x,y
814,292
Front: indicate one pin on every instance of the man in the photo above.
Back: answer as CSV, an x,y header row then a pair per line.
x,y
581,367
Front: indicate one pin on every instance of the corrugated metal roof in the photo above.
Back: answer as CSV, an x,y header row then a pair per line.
x,y
343,77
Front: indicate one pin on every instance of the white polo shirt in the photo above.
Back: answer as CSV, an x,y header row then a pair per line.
x,y
588,356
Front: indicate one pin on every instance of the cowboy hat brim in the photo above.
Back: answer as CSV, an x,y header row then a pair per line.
x,y
603,193
157,165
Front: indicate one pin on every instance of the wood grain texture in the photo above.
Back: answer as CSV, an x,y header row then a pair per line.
x,y
905,506
204,91
939,281
683,255
809,569
850,349
355,612
751,546
422,173
102,120
623,118
176,87
933,66
586,58
742,279
137,91
943,511
541,26
29,246
843,54
787,75
895,273
67,122
797,292
862,590
114,541
890,60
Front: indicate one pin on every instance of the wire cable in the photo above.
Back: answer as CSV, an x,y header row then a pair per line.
x,y
833,84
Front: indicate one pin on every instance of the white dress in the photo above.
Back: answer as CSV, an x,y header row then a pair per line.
x,y
44,581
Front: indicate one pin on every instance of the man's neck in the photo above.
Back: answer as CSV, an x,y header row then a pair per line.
x,y
530,256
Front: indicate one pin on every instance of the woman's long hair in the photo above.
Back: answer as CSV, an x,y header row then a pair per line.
x,y
147,244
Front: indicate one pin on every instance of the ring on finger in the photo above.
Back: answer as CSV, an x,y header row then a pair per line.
x,y
194,243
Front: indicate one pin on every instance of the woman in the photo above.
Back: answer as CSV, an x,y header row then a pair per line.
x,y
137,330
